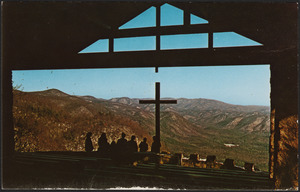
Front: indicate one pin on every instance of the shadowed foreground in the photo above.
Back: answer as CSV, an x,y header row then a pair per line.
x,y
83,170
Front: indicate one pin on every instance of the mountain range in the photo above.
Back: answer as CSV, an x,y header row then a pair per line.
x,y
52,120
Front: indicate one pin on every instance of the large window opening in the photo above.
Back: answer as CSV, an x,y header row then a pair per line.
x,y
222,111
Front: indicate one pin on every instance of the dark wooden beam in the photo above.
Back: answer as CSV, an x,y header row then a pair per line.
x,y
167,58
157,113
157,29
161,101
167,30
111,45
186,18
210,40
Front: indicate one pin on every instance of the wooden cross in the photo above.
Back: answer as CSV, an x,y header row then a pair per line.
x,y
157,103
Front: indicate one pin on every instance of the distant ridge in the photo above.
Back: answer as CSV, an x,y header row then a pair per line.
x,y
50,92
197,104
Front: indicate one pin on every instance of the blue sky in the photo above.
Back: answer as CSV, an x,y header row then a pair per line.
x,y
244,85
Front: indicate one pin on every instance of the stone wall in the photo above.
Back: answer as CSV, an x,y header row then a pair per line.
x,y
284,125
7,132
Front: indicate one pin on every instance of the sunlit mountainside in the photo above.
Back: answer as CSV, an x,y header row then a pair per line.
x,y
55,121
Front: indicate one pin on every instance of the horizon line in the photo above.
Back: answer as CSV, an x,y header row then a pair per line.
x,y
143,97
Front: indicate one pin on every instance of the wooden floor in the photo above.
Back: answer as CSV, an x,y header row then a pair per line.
x,y
80,170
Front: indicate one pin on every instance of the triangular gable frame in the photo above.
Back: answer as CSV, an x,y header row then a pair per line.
x,y
187,22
